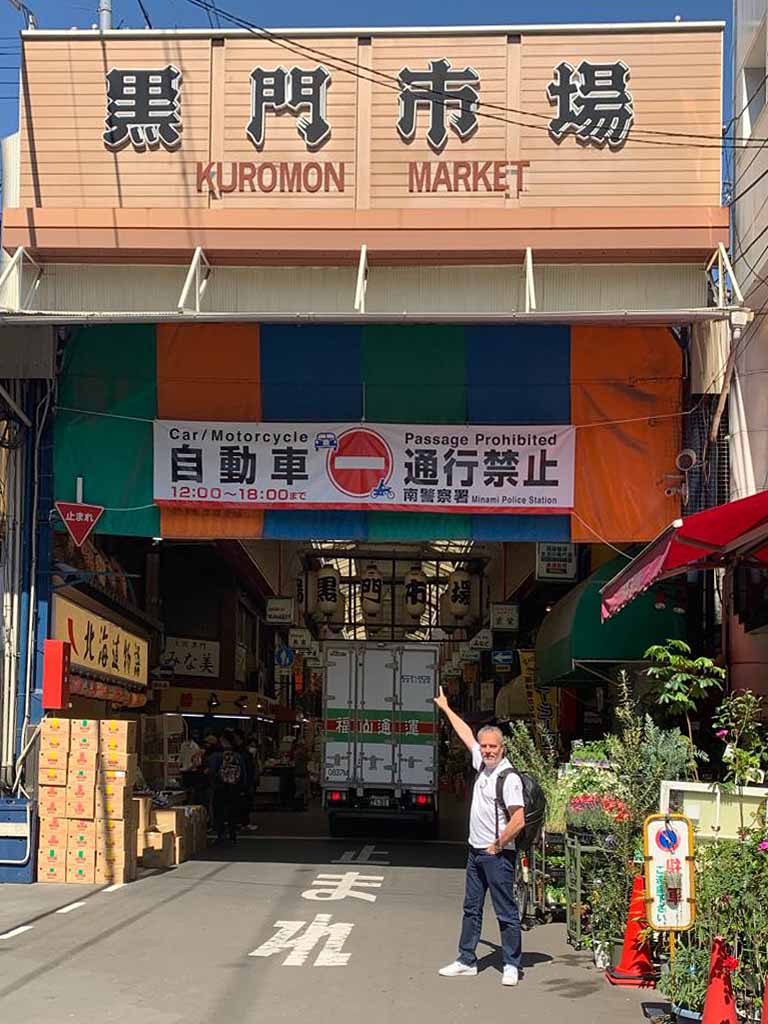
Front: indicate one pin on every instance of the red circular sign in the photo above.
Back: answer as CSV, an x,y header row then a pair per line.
x,y
361,461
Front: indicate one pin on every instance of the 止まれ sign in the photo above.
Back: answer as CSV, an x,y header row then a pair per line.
x,y
344,465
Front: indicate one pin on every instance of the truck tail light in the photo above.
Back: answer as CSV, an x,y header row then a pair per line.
x,y
422,800
336,796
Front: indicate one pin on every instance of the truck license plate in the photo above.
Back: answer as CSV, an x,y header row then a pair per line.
x,y
379,801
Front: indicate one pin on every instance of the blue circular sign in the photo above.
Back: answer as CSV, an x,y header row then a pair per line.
x,y
284,657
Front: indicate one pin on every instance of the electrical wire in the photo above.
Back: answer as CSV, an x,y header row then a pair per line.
x,y
482,108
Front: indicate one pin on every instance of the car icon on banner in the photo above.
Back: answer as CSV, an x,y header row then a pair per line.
x,y
326,440
381,490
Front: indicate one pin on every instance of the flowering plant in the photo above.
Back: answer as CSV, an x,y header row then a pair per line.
x,y
596,812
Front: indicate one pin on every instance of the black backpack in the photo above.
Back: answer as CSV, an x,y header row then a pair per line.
x,y
534,804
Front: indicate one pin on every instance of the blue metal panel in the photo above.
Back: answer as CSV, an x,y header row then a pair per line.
x,y
18,831
521,527
319,525
518,374
311,373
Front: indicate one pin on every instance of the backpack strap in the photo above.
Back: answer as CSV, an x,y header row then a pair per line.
x,y
501,778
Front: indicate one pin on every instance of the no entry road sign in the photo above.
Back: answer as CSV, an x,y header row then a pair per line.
x,y
362,461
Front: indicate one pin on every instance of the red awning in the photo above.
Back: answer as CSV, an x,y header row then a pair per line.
x,y
706,540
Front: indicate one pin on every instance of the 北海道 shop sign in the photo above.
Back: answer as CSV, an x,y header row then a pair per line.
x,y
99,645
347,465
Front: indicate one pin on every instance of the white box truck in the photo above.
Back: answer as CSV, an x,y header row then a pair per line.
x,y
380,748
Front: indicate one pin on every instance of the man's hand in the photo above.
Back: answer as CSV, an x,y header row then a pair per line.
x,y
441,700
493,849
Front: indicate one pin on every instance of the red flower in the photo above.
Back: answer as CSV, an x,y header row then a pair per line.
x,y
731,963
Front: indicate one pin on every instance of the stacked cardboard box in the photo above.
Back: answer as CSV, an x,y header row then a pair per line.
x,y
87,822
174,835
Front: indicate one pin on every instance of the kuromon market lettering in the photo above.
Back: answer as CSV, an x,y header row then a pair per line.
x,y
221,177
466,176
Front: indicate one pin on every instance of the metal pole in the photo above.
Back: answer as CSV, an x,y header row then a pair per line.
x,y
105,15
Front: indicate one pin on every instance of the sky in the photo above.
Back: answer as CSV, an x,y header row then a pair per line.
x,y
182,14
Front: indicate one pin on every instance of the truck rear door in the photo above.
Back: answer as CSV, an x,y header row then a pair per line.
x,y
338,763
416,727
377,669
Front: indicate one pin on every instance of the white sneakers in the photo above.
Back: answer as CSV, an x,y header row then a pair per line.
x,y
460,970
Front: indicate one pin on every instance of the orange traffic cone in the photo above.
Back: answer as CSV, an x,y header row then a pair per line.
x,y
764,1014
719,1004
635,969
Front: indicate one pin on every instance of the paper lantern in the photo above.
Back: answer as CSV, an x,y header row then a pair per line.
x,y
460,593
372,593
328,590
415,592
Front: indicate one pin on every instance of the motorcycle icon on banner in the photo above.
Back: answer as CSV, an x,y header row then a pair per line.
x,y
381,490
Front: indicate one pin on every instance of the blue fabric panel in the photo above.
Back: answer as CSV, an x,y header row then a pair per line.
x,y
518,374
311,373
521,527
315,525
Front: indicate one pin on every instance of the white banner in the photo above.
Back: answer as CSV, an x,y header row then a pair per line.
x,y
361,466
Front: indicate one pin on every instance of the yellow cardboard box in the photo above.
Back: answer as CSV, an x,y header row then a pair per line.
x,y
180,849
143,809
53,832
52,801
81,834
159,850
170,819
80,800
84,734
117,737
52,864
114,801
126,775
112,871
55,729
119,833
53,757
116,761
81,869
52,776
83,763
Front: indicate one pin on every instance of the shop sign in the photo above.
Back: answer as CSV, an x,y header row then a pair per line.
x,y
470,656
505,617
300,640
482,641
98,645
669,872
280,611
397,467
195,700
555,561
543,702
188,657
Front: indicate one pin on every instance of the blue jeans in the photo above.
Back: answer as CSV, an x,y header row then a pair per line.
x,y
497,873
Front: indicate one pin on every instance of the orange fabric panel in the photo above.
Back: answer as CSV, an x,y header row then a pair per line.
x,y
209,372
625,373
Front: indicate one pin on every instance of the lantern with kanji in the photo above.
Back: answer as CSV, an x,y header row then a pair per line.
x,y
372,593
328,590
460,593
415,592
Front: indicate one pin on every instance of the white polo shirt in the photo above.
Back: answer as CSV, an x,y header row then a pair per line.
x,y
484,811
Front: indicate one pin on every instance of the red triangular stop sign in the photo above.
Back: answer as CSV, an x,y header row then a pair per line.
x,y
78,518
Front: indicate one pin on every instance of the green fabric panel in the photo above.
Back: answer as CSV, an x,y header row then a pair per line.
x,y
419,526
573,630
415,375
110,369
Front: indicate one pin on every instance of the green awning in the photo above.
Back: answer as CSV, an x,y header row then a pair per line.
x,y
572,634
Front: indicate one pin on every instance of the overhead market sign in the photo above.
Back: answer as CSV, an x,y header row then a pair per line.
x,y
398,467
144,111
98,645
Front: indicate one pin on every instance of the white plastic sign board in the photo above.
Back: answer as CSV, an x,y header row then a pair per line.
x,y
482,641
669,872
505,616
300,640
555,561
280,611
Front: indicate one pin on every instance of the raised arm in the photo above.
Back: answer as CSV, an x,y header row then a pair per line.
x,y
460,727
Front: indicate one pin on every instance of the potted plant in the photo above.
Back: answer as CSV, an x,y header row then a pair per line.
x,y
685,983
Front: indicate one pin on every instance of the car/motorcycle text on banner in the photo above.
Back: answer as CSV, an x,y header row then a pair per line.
x,y
467,468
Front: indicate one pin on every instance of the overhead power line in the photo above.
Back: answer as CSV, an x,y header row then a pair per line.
x,y
484,107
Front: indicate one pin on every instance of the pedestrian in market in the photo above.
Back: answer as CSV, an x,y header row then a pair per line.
x,y
492,856
228,771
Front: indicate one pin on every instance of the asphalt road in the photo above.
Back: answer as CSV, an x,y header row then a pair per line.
x,y
238,936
